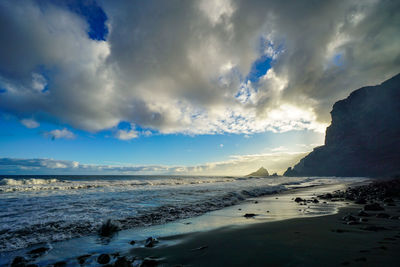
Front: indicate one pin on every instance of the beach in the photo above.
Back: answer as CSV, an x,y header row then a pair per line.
x,y
296,227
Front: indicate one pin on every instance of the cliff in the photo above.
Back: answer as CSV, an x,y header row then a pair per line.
x,y
363,138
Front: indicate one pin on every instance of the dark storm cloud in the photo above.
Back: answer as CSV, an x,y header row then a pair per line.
x,y
180,66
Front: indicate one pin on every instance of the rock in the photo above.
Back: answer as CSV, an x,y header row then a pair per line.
x,y
298,199
394,217
261,172
150,242
108,228
83,258
349,218
388,200
315,200
37,252
122,262
255,202
360,201
19,262
132,242
31,265
361,220
383,215
373,207
361,138
103,259
363,214
352,222
249,215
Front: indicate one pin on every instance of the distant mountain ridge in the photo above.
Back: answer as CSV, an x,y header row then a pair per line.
x,y
363,138
261,172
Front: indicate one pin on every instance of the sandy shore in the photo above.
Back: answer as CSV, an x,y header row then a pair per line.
x,y
267,239
317,241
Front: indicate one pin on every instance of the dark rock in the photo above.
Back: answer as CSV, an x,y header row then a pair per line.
x,y
19,262
315,200
31,265
298,199
122,262
349,218
394,217
37,252
362,139
132,242
352,223
261,172
103,259
249,215
388,200
383,215
363,214
373,207
150,242
108,228
360,201
83,258
361,220
255,202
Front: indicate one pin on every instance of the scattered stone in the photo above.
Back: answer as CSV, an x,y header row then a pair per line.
x,y
363,214
132,242
150,242
83,258
249,215
349,218
108,228
383,215
360,201
103,259
315,200
255,202
122,262
37,252
373,207
18,262
388,200
298,199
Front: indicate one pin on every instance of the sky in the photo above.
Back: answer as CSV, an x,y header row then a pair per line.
x,y
181,87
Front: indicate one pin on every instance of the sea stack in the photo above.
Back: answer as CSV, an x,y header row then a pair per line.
x,y
261,172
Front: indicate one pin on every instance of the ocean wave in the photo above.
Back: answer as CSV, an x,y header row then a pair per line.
x,y
17,238
32,181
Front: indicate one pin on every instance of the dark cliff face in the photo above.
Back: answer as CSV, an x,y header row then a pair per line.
x,y
363,138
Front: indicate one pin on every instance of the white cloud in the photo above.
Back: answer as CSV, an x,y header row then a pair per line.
x,y
187,76
60,134
126,134
30,123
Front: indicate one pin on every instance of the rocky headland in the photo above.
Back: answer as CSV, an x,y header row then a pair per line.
x,y
363,138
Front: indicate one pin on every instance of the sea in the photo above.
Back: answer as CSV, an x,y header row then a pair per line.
x,y
46,209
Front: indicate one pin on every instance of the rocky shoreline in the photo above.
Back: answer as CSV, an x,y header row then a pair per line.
x,y
374,204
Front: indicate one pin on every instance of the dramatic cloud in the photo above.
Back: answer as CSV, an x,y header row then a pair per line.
x,y
237,165
194,67
59,134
